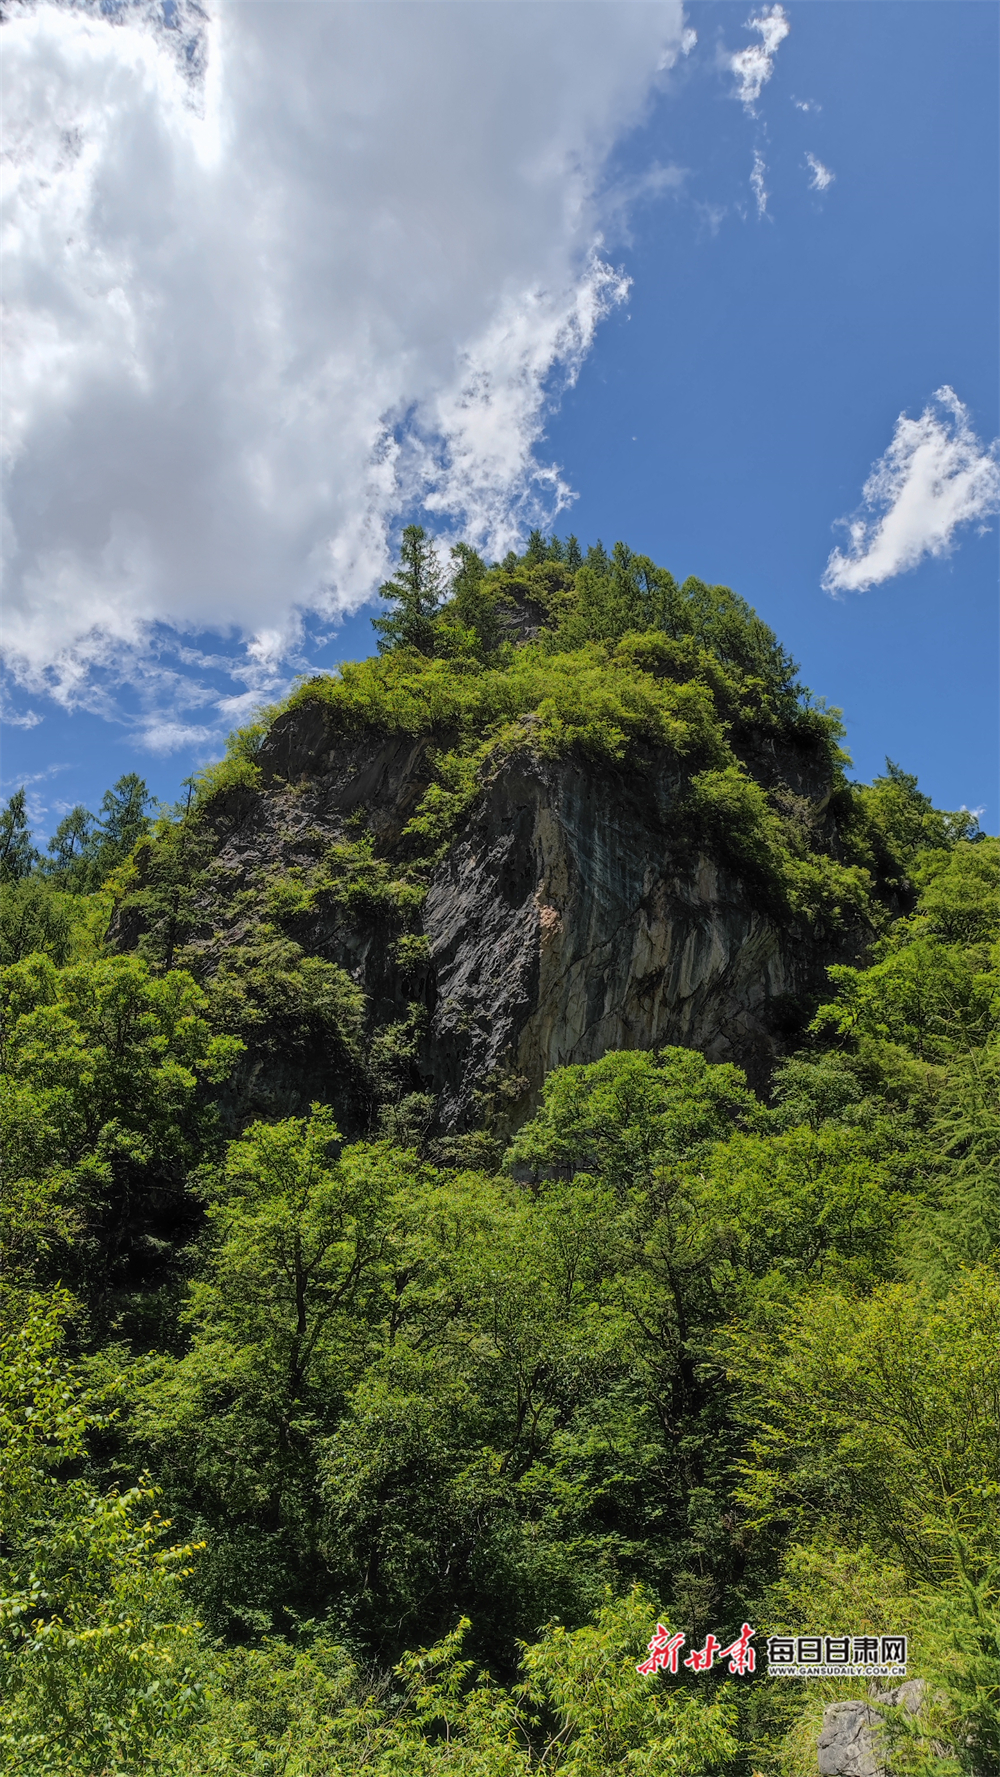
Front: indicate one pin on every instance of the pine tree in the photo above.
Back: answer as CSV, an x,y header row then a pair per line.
x,y
574,554
72,849
537,550
415,590
123,818
474,603
18,856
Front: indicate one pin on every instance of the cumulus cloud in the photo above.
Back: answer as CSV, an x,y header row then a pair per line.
x,y
753,67
757,184
935,477
277,276
822,178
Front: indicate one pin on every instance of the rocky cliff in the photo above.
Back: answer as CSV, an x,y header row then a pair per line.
x,y
571,913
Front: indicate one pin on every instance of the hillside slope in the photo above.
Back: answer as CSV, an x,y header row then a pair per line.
x,y
601,816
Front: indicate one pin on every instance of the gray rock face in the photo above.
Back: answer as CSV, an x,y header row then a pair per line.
x,y
570,916
848,1745
569,919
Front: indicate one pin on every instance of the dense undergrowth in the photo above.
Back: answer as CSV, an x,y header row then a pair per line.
x,y
321,1456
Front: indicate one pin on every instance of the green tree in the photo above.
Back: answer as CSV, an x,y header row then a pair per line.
x,y
280,1320
906,821
18,856
102,1068
880,1417
122,820
475,608
623,1118
85,849
72,848
416,590
95,1637
35,916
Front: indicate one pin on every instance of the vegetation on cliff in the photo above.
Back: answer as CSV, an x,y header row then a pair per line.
x,y
335,1453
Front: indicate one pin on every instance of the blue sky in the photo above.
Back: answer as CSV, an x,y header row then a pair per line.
x,y
725,414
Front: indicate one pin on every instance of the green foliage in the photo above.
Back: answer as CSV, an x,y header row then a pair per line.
x,y
930,993
415,591
95,1636
71,848
900,1445
628,1116
269,990
473,618
280,1320
594,697
101,1067
86,849
17,854
952,1638
363,883
34,916
740,1355
577,1707
164,888
904,822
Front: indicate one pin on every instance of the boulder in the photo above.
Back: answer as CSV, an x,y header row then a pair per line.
x,y
848,1742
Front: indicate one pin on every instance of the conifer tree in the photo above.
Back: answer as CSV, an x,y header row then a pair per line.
x,y
415,590
18,856
474,603
123,818
71,850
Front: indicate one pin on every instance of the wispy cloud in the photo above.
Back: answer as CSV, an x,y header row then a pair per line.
x,y
757,182
935,477
822,178
710,218
623,197
753,66
36,805
171,737
806,104
12,718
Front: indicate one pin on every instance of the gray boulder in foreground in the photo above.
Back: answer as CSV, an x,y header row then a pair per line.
x,y
847,1745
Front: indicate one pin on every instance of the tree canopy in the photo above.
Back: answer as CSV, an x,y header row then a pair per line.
x,y
327,1448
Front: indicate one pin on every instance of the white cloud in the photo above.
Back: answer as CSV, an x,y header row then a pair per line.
x,y
170,737
822,177
757,182
935,477
619,201
806,104
754,66
710,218
275,276
13,718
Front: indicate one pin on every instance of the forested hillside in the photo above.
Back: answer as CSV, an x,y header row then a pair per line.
x,y
442,1243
